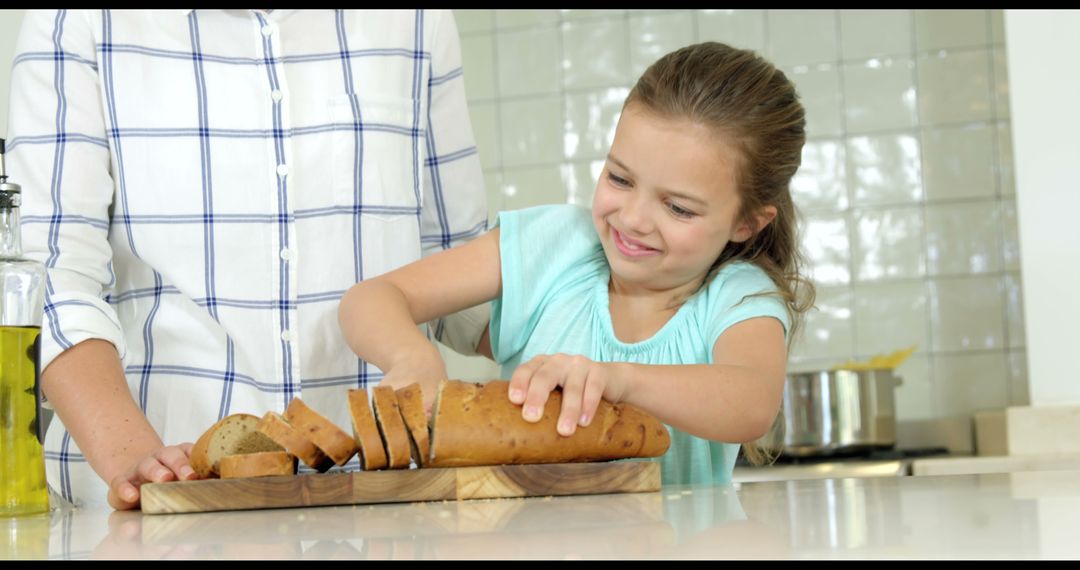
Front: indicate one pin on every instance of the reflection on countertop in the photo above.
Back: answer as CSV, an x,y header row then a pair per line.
x,y
1018,515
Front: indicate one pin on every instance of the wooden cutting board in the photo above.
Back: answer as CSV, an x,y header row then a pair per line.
x,y
400,486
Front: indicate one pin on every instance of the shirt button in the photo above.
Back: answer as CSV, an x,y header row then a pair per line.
x,y
267,31
275,95
286,254
282,170
287,335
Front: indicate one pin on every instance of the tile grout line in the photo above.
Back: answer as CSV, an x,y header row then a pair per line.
x,y
928,290
849,221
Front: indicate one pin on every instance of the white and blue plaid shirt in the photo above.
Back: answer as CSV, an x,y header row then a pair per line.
x,y
203,186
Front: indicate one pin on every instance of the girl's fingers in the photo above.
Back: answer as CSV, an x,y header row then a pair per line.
x,y
519,381
541,383
590,399
573,389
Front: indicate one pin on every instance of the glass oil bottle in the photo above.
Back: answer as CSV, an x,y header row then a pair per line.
x,y
23,490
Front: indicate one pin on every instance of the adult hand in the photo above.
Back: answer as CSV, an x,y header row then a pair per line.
x,y
584,383
169,463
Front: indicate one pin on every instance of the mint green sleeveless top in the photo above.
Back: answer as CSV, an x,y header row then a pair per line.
x,y
555,300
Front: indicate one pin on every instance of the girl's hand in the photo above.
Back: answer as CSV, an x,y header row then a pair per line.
x,y
421,364
169,463
584,382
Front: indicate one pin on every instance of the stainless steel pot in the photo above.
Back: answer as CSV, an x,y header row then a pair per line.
x,y
829,412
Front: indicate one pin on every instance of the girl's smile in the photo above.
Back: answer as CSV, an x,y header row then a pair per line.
x,y
630,247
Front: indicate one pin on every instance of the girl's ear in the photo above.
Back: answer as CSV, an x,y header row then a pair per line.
x,y
761,219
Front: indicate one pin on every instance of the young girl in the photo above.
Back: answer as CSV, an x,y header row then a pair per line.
x,y
676,294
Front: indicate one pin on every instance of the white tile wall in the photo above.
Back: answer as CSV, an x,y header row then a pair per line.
x,y
655,34
871,33
819,90
906,189
594,53
879,94
799,37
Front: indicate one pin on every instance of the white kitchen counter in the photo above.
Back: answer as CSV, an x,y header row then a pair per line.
x,y
823,470
1018,515
959,465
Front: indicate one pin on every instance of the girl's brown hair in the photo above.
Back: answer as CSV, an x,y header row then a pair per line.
x,y
753,107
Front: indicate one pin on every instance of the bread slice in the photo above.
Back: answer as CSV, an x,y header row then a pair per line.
x,y
372,451
232,435
322,432
410,401
262,464
477,424
391,426
274,426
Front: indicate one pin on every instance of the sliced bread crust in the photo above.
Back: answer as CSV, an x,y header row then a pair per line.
x,y
366,432
391,426
410,401
262,464
233,434
322,432
277,428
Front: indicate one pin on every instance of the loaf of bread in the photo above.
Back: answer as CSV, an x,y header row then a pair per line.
x,y
234,434
391,426
263,464
274,426
366,433
477,424
411,403
322,432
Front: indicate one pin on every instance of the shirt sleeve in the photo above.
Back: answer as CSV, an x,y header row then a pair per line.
x,y
59,154
540,249
739,292
455,204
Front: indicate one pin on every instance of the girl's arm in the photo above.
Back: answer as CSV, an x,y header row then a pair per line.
x,y
379,316
735,399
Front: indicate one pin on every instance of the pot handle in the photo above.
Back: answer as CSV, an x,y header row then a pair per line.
x,y
899,379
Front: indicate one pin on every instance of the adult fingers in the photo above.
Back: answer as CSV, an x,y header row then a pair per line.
x,y
151,470
176,461
123,495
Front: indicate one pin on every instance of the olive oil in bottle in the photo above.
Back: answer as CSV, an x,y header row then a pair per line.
x,y
21,458
23,489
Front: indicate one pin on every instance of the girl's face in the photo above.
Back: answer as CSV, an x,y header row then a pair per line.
x,y
666,201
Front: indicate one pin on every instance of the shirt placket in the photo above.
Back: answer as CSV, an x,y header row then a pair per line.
x,y
284,235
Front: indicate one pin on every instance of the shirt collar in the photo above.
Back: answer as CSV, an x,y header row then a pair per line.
x,y
188,12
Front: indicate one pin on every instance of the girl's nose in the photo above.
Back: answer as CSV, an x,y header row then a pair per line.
x,y
635,215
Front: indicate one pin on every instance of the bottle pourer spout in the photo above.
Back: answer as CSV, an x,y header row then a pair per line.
x,y
3,163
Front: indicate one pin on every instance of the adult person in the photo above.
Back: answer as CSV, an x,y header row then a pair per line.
x,y
203,185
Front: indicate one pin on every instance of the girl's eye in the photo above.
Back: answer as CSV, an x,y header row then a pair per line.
x,y
618,181
680,212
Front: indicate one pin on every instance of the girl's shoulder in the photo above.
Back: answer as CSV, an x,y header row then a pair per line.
x,y
742,275
739,291
732,285
562,214
552,241
567,225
